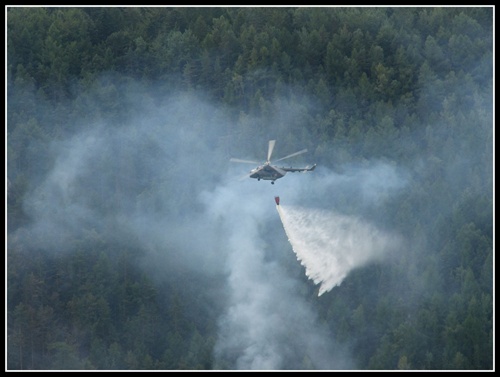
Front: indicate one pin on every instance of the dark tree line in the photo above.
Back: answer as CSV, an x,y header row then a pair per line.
x,y
391,83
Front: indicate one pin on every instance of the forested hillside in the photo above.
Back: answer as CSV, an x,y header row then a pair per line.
x,y
128,248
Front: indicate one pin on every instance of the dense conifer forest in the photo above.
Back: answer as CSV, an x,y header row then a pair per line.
x,y
121,122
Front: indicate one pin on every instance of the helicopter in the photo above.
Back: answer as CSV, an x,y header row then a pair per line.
x,y
270,172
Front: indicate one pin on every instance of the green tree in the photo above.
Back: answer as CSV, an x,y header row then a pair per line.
x,y
65,357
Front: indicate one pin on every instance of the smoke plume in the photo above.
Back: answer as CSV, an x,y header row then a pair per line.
x,y
161,182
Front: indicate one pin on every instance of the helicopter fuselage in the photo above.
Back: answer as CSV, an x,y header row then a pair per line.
x,y
267,173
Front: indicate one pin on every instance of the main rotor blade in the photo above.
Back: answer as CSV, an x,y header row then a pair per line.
x,y
292,155
243,177
270,150
244,161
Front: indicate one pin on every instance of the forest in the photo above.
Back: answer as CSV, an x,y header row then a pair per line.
x,y
129,244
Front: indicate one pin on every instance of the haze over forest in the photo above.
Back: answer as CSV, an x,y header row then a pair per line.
x,y
132,243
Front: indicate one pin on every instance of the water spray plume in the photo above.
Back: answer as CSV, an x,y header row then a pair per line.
x,y
330,245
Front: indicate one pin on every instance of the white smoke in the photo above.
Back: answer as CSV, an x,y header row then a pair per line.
x,y
125,182
268,324
330,245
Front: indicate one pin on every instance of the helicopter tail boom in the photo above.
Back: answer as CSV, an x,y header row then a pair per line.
x,y
300,169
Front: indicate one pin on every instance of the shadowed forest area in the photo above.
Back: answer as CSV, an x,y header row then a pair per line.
x,y
125,248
